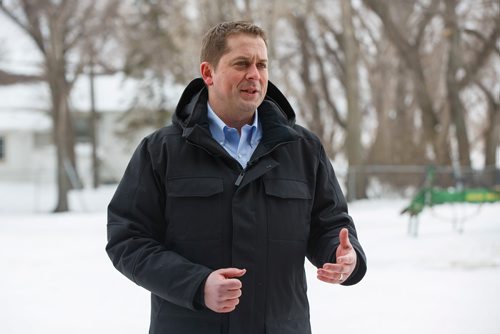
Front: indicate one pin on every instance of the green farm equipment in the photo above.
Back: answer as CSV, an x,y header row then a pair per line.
x,y
429,196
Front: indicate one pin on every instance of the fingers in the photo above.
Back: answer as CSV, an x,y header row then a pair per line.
x,y
232,272
223,290
337,273
334,271
345,253
344,238
346,259
335,278
336,268
229,304
332,274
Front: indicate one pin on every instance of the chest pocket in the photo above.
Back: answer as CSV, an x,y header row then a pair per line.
x,y
288,205
194,208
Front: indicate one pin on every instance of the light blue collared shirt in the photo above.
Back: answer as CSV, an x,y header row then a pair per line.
x,y
240,148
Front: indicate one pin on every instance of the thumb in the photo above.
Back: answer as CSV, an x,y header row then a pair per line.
x,y
344,238
232,272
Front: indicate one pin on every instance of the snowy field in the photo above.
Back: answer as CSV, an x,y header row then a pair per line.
x,y
57,279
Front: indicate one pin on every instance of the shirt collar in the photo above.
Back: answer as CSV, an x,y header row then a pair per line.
x,y
217,127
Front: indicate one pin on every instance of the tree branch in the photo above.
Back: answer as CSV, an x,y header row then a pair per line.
x,y
430,12
326,91
489,45
406,49
489,96
34,30
7,78
24,26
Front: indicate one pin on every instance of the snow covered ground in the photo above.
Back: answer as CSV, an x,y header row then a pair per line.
x,y
56,277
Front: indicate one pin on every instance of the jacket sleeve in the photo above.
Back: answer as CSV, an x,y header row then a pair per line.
x,y
136,228
329,216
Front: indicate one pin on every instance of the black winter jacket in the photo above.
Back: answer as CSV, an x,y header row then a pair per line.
x,y
185,207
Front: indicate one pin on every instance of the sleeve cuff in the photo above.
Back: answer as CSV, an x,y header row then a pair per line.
x,y
199,297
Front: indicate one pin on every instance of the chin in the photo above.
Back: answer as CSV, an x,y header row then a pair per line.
x,y
249,107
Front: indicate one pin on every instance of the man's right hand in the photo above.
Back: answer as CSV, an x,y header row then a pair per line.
x,y
223,289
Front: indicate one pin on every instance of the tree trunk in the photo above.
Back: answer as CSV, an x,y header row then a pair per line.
x,y
310,94
410,55
63,133
353,138
492,131
58,28
456,106
60,140
492,141
93,130
63,182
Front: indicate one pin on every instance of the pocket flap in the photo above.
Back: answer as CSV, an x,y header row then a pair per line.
x,y
286,188
194,187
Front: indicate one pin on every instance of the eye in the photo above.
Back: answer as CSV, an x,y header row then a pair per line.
x,y
262,65
241,64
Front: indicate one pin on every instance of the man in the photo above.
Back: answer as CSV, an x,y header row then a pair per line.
x,y
216,213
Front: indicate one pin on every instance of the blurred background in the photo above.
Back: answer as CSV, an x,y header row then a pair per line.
x,y
390,87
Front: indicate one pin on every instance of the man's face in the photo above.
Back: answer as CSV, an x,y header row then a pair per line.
x,y
238,85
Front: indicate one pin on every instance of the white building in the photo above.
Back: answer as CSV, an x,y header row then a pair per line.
x,y
26,153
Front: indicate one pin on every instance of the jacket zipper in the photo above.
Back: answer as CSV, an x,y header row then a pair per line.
x,y
243,172
240,177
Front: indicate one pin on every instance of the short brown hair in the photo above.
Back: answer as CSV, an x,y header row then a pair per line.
x,y
214,43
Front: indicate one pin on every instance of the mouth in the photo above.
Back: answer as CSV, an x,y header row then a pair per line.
x,y
250,91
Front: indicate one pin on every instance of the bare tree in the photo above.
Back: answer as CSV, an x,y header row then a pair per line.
x,y
311,101
161,41
492,128
61,31
456,65
392,73
392,99
354,147
8,78
409,50
159,49
463,64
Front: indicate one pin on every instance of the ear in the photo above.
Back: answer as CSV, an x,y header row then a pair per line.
x,y
206,71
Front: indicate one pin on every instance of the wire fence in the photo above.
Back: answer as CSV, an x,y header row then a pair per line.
x,y
380,181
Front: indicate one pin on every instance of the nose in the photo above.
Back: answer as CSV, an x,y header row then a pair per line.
x,y
253,72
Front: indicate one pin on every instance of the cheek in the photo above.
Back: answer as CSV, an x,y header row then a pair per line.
x,y
264,79
223,86
264,87
226,80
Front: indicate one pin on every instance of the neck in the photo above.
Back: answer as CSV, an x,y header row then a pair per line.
x,y
236,123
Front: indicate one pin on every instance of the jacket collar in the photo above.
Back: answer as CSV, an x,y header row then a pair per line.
x,y
276,116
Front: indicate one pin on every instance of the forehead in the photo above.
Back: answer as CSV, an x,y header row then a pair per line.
x,y
246,45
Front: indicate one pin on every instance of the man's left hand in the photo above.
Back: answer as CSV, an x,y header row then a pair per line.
x,y
337,273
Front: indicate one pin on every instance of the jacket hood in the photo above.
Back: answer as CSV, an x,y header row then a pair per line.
x,y
191,108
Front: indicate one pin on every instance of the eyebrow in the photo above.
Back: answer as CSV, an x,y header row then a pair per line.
x,y
240,58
